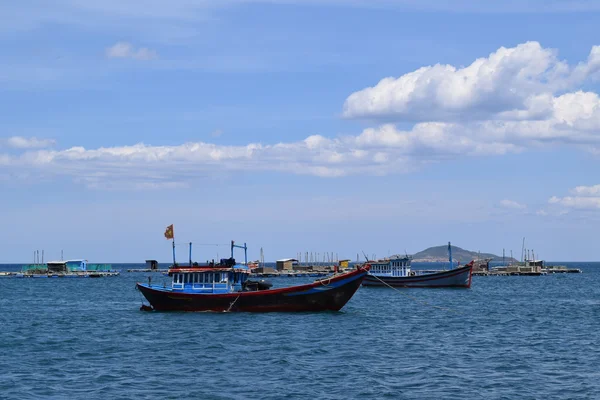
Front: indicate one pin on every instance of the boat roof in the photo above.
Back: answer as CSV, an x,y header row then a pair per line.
x,y
287,259
392,258
187,268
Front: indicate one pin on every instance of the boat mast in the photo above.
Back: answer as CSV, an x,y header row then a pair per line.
x,y
240,247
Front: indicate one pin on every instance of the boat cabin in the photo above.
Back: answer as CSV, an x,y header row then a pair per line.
x,y
225,277
393,266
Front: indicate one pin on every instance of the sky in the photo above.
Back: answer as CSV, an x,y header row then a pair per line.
x,y
325,126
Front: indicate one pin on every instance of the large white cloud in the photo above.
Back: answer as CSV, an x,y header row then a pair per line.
x,y
515,99
377,151
511,83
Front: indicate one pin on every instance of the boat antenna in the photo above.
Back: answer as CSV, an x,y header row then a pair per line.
x,y
450,254
366,258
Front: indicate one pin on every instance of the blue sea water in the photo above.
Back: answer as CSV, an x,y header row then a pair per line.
x,y
505,338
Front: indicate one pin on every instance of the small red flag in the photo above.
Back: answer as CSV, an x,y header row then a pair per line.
x,y
169,232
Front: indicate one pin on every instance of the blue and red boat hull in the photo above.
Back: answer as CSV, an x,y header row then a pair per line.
x,y
329,294
457,277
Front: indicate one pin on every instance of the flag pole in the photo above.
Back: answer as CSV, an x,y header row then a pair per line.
x,y
174,251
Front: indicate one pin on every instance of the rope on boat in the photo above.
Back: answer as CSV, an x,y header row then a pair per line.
x,y
231,305
325,284
414,298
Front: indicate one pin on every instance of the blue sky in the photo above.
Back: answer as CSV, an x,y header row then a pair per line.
x,y
324,126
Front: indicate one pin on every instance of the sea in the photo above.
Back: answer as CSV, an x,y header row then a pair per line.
x,y
515,337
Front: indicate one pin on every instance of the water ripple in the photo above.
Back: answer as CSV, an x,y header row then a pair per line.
x,y
513,337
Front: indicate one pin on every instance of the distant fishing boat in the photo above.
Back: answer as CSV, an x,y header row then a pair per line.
x,y
396,272
224,286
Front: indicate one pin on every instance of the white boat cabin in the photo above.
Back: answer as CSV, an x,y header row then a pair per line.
x,y
393,266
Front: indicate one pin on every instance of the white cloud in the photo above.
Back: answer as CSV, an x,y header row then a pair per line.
x,y
19,142
512,204
576,202
511,83
126,50
584,198
586,190
513,100
149,166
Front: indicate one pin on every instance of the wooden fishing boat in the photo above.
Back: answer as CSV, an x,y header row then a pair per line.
x,y
396,272
225,286
325,294
456,277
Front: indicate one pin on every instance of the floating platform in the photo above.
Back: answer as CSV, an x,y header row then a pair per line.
x,y
544,271
507,273
561,269
80,274
147,270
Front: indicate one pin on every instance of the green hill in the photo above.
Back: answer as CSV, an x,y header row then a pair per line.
x,y
440,253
